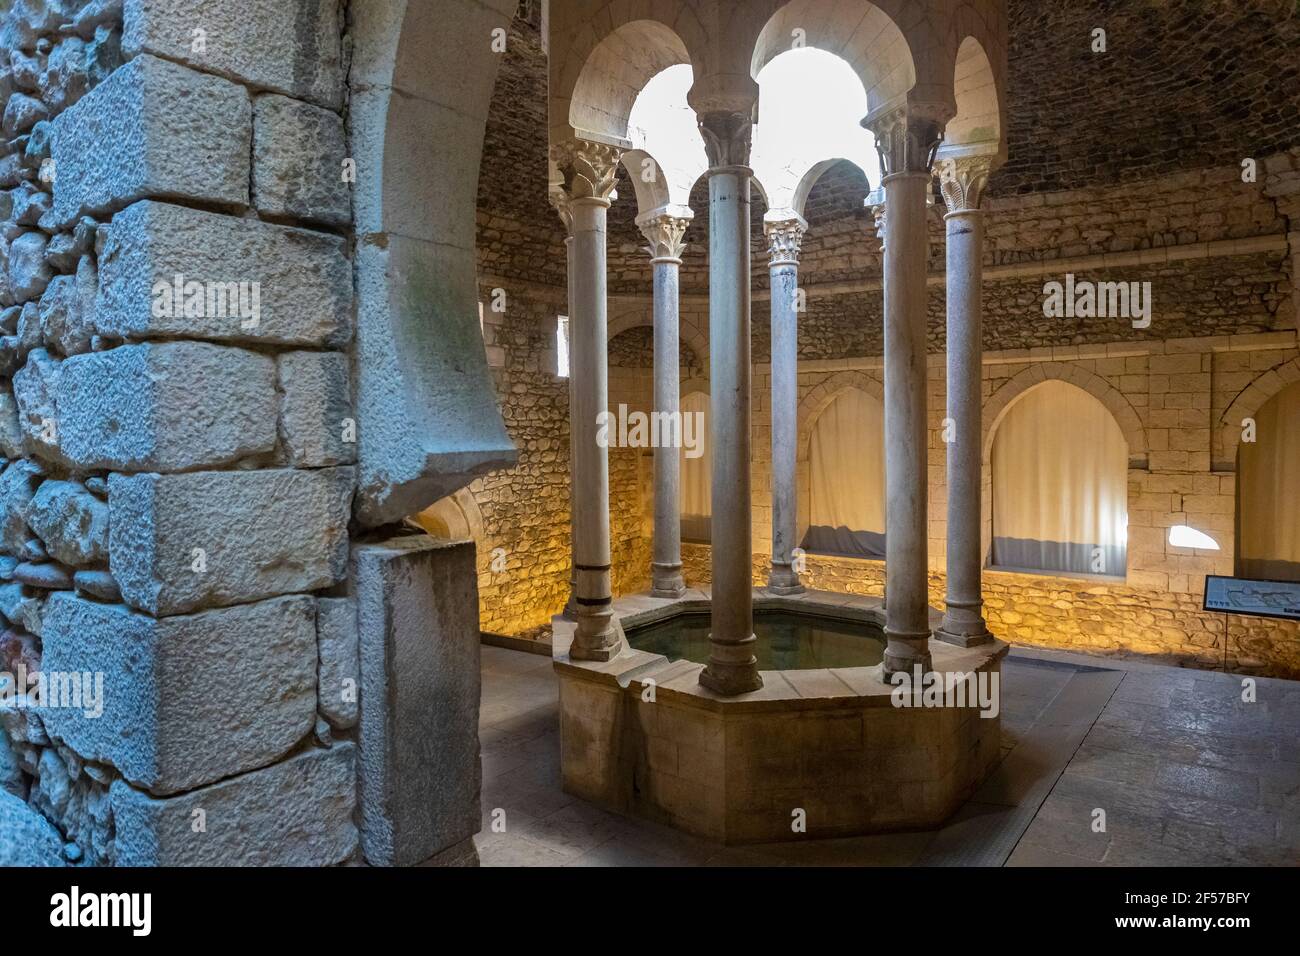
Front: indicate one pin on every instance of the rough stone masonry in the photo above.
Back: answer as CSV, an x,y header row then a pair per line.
x,y
178,449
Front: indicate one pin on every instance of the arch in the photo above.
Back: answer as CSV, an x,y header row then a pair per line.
x,y
1247,403
597,84
456,517
1267,526
650,195
978,122
995,409
428,421
821,395
626,316
814,173
861,33
1064,502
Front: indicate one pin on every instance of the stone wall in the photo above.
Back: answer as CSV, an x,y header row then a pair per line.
x,y
177,479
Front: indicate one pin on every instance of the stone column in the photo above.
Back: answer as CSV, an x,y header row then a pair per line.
x,y
589,169
732,667
560,203
906,141
784,236
962,181
663,229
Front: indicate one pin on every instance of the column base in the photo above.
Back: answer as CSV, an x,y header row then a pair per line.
x,y
961,639
730,678
598,637
904,652
666,581
782,579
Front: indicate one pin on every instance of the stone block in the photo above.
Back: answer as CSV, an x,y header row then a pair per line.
x,y
337,678
216,538
287,46
298,153
295,813
163,406
71,522
299,281
153,128
26,837
419,772
316,409
186,700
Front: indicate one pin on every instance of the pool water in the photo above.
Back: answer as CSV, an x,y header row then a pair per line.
x,y
786,640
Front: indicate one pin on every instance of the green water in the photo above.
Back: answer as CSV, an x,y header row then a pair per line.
x,y
785,642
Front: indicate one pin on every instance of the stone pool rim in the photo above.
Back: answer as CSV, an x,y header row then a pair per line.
x,y
810,688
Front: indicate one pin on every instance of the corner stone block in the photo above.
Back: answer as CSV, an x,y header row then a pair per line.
x,y
286,46
419,771
316,414
185,700
216,538
298,153
153,128
338,680
296,813
427,416
157,406
265,283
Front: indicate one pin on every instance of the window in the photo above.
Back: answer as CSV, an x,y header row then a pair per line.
x,y
1268,492
562,346
697,491
846,465
1060,485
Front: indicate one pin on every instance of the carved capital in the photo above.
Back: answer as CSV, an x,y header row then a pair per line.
x,y
664,231
727,137
875,201
906,138
784,237
962,180
559,201
589,169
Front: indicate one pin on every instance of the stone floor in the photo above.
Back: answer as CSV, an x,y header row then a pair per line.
x,y
1186,773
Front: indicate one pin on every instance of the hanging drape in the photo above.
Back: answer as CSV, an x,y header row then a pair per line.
x,y
846,463
1060,485
1268,492
697,501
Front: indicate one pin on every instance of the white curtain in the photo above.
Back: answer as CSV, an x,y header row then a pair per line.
x,y
1268,492
846,461
1060,484
697,500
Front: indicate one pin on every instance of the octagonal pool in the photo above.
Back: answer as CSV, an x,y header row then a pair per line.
x,y
787,640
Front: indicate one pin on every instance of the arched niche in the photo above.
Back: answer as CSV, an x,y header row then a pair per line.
x,y
428,421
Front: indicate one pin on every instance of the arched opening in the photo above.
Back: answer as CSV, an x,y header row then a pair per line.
x,y
1268,492
697,489
1060,485
978,119
846,478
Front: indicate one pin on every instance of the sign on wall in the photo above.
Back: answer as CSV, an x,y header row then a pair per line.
x,y
1254,598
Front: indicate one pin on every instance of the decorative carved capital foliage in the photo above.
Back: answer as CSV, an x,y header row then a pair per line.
x,y
906,139
589,169
664,234
878,214
727,138
962,181
784,239
559,201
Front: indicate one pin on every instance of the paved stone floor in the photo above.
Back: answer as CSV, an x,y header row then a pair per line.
x,y
1186,772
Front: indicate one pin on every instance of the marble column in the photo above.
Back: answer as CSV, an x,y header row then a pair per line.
x,y
589,169
560,202
906,140
962,181
663,229
784,236
732,667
